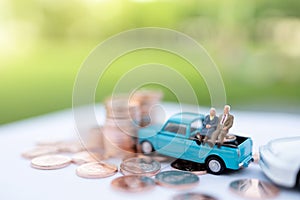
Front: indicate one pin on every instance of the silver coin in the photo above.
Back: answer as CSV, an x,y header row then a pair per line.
x,y
133,183
140,166
193,196
253,188
177,179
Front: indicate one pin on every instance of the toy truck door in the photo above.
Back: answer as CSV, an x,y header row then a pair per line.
x,y
171,139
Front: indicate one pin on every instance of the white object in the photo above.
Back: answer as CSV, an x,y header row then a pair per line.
x,y
280,161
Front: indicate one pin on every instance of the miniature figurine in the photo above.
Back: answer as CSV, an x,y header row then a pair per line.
x,y
176,138
224,124
210,124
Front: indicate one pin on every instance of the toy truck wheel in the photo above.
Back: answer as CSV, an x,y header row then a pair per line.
x,y
147,147
215,165
298,180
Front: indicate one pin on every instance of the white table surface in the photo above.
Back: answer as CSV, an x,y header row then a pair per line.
x,y
19,181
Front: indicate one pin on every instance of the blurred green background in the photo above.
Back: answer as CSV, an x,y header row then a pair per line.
x,y
256,45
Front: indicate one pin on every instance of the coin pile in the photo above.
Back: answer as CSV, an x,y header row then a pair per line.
x,y
124,115
58,154
147,100
120,127
137,172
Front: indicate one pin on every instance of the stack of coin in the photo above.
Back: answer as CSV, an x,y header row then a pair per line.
x,y
94,139
120,127
147,101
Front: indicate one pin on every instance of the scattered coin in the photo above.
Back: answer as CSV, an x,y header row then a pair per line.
x,y
177,179
193,196
184,165
133,183
159,158
70,146
96,170
50,162
140,166
253,188
39,151
86,157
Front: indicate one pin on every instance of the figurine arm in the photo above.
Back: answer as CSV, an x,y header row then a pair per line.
x,y
230,123
215,124
205,121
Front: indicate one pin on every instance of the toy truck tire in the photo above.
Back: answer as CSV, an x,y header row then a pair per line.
x,y
215,165
147,147
298,180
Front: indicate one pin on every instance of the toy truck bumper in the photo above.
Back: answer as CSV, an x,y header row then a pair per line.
x,y
246,161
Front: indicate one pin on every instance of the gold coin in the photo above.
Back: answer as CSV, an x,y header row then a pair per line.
x,y
133,183
50,162
96,170
253,188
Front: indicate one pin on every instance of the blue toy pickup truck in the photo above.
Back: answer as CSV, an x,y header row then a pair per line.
x,y
177,138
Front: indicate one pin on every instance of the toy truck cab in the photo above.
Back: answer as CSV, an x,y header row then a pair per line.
x,y
176,138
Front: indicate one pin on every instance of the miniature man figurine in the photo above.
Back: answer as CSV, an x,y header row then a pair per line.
x,y
210,124
224,124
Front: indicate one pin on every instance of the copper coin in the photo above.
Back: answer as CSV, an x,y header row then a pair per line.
x,y
193,196
50,162
86,157
140,166
39,151
184,165
253,188
133,183
96,170
70,146
177,179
